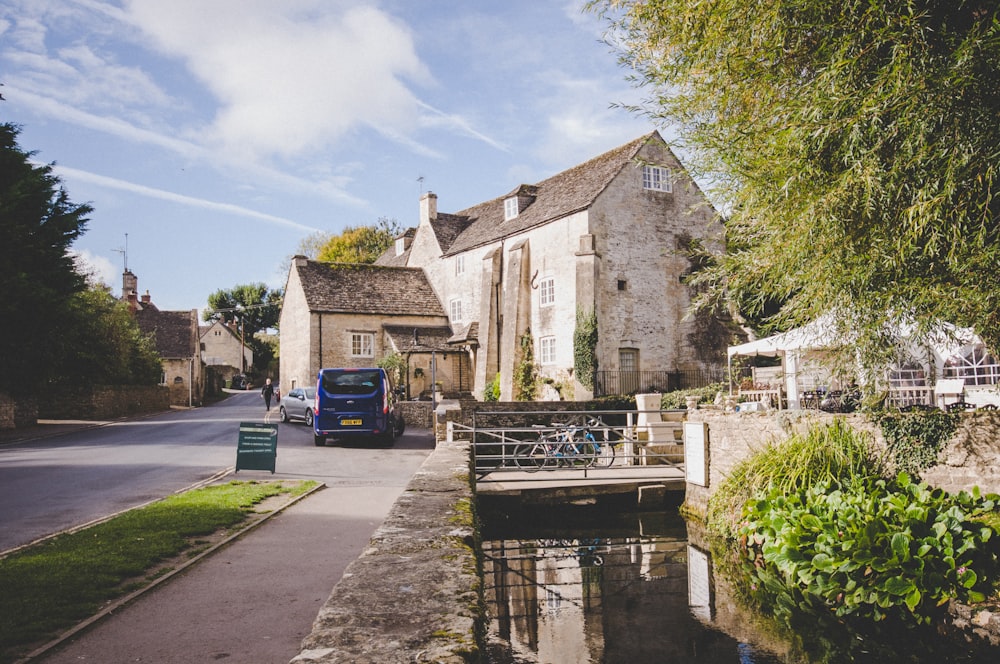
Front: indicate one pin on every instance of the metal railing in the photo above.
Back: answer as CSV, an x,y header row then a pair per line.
x,y
639,382
537,444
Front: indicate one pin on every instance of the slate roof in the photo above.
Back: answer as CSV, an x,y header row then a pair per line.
x,y
389,256
558,196
171,330
367,289
427,338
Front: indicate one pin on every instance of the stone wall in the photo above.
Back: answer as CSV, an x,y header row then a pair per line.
x,y
102,402
970,458
17,412
414,594
416,413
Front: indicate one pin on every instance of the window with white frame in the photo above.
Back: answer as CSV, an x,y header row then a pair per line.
x,y
657,178
547,291
510,208
547,350
455,311
362,344
400,246
459,265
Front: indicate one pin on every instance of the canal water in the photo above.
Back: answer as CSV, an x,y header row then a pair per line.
x,y
606,584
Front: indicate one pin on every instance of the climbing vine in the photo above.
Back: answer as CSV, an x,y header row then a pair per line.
x,y
585,347
914,439
525,378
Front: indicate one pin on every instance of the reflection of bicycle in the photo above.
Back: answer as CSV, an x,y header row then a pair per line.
x,y
566,446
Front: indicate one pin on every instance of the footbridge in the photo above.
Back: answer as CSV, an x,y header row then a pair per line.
x,y
573,456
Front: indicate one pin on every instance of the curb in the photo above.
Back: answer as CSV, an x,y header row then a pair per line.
x,y
121,602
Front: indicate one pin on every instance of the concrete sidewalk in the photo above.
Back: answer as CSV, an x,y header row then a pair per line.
x,y
252,600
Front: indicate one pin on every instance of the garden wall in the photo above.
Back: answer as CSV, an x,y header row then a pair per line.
x,y
19,412
970,458
102,402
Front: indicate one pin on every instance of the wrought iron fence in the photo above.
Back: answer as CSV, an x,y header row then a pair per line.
x,y
608,383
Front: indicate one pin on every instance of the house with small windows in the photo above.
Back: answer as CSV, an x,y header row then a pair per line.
x,y
350,315
176,338
512,281
222,348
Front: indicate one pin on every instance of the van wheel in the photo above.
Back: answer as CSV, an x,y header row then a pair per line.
x,y
319,440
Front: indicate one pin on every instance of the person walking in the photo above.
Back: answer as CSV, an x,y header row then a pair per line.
x,y
267,392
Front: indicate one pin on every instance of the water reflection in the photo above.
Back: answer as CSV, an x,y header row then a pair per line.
x,y
591,596
600,586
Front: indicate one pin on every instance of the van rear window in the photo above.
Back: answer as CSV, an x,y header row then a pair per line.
x,y
350,382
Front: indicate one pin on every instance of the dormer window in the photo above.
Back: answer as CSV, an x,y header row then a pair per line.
x,y
400,246
657,178
510,208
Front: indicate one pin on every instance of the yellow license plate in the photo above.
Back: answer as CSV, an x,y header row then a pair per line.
x,y
350,423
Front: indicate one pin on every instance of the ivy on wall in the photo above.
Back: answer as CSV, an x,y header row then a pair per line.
x,y
585,347
525,375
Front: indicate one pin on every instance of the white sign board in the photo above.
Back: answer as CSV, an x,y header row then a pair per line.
x,y
696,452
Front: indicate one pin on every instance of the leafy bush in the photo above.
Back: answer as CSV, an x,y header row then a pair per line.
x,y
491,392
825,453
677,399
872,548
914,439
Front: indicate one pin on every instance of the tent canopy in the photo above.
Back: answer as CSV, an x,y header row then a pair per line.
x,y
814,335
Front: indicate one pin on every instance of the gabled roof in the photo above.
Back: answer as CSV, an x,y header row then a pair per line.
x,y
419,339
171,331
367,289
389,256
556,197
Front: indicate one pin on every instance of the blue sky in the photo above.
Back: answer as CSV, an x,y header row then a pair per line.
x,y
218,134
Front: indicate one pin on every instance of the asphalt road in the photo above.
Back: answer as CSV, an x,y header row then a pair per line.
x,y
251,601
49,485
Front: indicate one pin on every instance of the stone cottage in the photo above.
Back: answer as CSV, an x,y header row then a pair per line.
x,y
177,340
349,315
610,239
221,347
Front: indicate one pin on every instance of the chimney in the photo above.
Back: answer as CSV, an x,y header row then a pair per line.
x,y
130,284
300,260
428,208
145,298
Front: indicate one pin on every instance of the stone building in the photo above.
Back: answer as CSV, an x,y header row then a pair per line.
x,y
177,340
222,347
347,315
610,238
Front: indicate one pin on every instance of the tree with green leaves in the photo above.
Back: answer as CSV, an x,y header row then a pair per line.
x,y
360,244
104,344
854,144
38,224
252,308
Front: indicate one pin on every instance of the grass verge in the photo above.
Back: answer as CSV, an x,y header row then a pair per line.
x,y
53,585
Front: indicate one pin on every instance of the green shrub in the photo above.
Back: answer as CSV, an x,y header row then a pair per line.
x,y
678,398
871,548
915,439
826,452
491,392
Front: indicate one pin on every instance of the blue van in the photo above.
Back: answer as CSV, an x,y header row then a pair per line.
x,y
355,403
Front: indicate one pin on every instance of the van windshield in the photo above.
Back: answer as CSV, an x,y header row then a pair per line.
x,y
350,382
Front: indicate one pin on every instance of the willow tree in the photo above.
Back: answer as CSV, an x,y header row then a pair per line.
x,y
854,145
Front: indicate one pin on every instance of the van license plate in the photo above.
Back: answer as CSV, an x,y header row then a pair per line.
x,y
350,423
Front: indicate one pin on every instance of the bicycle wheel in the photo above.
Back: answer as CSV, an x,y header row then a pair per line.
x,y
531,456
604,454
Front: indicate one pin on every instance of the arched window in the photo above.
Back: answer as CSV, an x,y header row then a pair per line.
x,y
977,367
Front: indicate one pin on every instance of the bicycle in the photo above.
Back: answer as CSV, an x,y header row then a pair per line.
x,y
567,445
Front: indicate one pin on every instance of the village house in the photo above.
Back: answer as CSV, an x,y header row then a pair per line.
x,y
222,348
349,315
609,240
176,338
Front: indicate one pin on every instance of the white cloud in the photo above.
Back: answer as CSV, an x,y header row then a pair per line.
x,y
160,194
97,268
291,77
